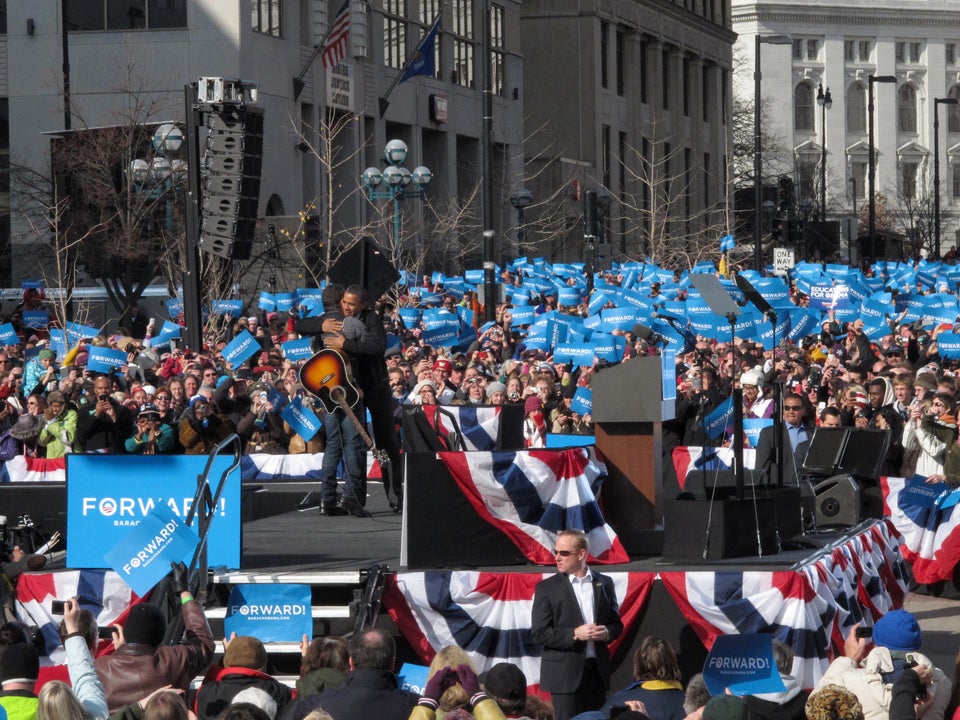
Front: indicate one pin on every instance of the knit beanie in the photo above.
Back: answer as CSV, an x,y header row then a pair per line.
x,y
532,404
145,625
898,630
833,702
246,652
19,663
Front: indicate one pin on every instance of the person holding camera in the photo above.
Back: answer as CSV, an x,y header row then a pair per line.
x,y
871,673
104,424
152,436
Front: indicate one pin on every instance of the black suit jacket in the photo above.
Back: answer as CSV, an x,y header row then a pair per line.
x,y
556,613
791,463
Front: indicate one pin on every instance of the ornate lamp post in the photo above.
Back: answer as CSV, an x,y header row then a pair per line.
x,y
396,181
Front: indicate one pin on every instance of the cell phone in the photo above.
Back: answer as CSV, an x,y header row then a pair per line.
x,y
106,632
864,632
102,397
57,607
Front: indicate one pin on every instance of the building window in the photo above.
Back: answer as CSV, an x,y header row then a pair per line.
x,y
724,93
604,52
951,53
686,86
429,9
856,108
498,48
955,180
605,154
908,180
394,34
864,50
803,107
665,71
907,108
812,49
706,180
705,92
100,15
901,52
798,49
644,65
620,49
953,111
265,17
859,177
848,50
806,177
463,45
916,50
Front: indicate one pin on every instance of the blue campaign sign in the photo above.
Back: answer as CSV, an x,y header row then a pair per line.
x,y
285,301
267,301
668,372
411,316
824,296
948,345
104,359
413,678
474,277
143,555
597,301
716,422
766,332
301,418
240,349
608,347
569,296
618,318
582,402
98,506
76,331
58,342
752,428
917,492
742,664
522,315
8,335
576,353
227,308
439,317
36,318
270,613
442,336
168,331
914,305
32,284
174,307
802,323
297,349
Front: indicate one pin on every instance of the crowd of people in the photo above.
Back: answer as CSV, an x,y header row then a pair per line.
x,y
145,672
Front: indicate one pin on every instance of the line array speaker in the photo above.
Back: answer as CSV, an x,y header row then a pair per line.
x,y
232,160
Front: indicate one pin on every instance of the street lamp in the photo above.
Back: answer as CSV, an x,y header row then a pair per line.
x,y
825,101
396,181
757,157
937,102
521,200
871,172
162,173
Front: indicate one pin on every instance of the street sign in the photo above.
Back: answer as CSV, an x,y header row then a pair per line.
x,y
782,260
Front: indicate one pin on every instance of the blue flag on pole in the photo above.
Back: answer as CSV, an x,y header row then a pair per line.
x,y
424,57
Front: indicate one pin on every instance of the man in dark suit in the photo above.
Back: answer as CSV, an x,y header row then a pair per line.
x,y
574,616
795,437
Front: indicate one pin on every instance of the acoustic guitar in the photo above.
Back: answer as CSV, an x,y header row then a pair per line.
x,y
326,376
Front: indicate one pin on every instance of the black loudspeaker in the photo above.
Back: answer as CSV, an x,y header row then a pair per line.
x,y
232,160
837,502
365,264
732,529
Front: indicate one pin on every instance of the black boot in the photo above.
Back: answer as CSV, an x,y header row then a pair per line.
x,y
330,509
352,505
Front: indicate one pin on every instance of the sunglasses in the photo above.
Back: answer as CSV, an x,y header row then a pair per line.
x,y
564,553
793,407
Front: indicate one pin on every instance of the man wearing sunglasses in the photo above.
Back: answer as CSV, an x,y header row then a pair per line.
x,y
574,616
795,439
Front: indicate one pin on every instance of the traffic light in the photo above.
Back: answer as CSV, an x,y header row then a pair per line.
x,y
785,193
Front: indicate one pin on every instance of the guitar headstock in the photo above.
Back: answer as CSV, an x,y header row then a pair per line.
x,y
381,456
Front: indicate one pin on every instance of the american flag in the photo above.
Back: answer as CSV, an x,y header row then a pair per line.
x,y
336,47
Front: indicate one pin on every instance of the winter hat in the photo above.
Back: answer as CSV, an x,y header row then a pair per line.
x,y
752,377
246,652
495,387
148,410
19,663
27,427
506,681
443,364
898,630
531,404
726,707
860,400
46,354
54,396
145,625
926,380
833,702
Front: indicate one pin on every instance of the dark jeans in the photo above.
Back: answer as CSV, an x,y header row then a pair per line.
x,y
343,442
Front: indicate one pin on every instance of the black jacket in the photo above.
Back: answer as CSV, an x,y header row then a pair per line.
x,y
221,685
365,694
101,432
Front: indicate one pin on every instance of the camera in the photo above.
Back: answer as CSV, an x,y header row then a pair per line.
x,y
102,397
57,607
106,632
864,632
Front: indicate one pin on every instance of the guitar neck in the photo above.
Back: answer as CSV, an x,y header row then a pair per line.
x,y
356,422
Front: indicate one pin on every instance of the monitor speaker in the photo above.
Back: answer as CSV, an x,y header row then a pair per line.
x,y
837,502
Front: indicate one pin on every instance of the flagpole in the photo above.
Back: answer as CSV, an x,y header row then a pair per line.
x,y
298,83
384,103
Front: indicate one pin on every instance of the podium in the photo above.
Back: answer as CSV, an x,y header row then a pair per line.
x,y
629,404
